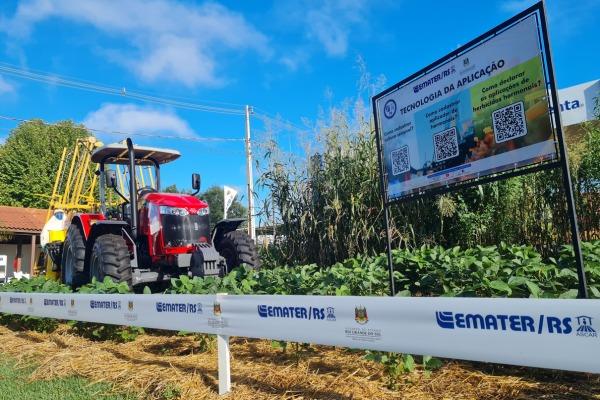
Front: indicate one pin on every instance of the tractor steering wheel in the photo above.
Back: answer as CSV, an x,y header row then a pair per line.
x,y
145,190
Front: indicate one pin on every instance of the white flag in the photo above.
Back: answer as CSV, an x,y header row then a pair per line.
x,y
228,196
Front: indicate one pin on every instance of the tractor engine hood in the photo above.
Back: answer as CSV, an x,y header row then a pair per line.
x,y
191,203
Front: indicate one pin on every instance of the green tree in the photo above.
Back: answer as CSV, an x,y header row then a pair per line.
x,y
171,189
214,197
29,160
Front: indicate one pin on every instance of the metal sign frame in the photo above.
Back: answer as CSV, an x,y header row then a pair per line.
x,y
538,10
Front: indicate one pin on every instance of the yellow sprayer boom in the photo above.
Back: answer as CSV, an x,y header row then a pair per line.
x,y
74,190
75,182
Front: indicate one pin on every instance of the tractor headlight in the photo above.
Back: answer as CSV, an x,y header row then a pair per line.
x,y
204,211
166,210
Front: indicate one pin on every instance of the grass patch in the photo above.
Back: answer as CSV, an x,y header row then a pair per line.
x,y
15,385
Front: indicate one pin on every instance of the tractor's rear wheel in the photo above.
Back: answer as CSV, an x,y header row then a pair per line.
x,y
72,271
110,257
238,248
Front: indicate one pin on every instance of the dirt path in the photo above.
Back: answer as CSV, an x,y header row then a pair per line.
x,y
172,367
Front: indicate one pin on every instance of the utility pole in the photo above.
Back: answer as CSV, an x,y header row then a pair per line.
x,y
250,179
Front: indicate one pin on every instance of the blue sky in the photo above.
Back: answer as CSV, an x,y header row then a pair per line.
x,y
288,58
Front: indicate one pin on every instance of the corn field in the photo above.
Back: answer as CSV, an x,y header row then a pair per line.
x,y
327,207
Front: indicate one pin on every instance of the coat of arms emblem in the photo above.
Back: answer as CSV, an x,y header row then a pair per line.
x,y
360,315
217,309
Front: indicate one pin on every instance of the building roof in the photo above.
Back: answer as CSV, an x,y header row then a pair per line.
x,y
22,220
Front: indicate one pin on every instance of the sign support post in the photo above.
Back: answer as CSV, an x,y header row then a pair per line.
x,y
386,212
389,250
565,172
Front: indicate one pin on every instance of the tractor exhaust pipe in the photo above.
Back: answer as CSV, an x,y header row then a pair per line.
x,y
132,189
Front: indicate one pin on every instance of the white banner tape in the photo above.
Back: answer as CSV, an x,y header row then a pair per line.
x,y
560,334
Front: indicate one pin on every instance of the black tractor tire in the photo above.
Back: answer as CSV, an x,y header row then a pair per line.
x,y
238,248
110,257
72,271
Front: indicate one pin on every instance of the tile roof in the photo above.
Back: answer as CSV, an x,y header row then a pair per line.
x,y
20,219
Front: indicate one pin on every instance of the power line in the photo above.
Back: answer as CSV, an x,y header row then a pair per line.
x,y
122,92
53,79
189,99
178,102
200,139
264,116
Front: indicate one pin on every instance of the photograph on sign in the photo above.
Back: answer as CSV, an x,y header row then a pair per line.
x,y
483,112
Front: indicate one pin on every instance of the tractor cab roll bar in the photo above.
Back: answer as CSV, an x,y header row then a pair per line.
x,y
131,156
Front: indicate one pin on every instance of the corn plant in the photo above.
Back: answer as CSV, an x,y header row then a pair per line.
x,y
325,199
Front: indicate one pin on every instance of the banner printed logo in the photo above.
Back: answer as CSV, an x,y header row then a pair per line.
x,y
540,324
389,109
217,309
360,315
585,327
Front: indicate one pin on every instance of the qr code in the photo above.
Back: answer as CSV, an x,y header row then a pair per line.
x,y
400,160
509,122
445,144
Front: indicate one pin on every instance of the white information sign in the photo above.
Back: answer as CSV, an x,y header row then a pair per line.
x,y
579,103
482,112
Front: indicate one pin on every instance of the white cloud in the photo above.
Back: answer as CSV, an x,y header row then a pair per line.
x,y
565,18
6,87
295,59
166,40
131,118
515,6
331,22
326,24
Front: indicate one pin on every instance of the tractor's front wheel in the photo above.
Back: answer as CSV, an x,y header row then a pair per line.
x,y
73,257
238,248
110,257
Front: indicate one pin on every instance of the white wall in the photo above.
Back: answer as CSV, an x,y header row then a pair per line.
x,y
11,251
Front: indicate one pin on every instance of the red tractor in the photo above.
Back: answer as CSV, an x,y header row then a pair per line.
x,y
151,236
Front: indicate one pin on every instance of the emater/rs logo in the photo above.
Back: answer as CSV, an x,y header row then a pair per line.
x,y
517,323
295,312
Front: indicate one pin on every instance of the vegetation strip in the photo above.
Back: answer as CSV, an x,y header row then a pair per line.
x,y
16,384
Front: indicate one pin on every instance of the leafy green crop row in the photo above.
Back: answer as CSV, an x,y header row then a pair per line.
x,y
503,271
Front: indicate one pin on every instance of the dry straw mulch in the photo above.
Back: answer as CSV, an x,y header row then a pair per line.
x,y
153,366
